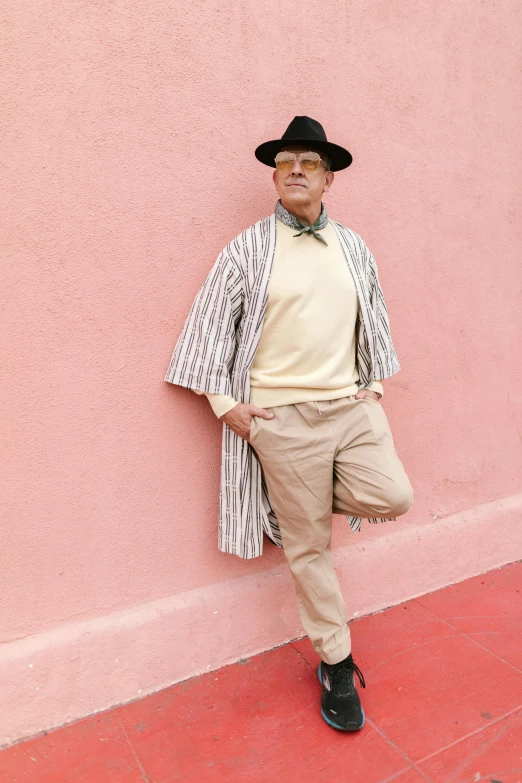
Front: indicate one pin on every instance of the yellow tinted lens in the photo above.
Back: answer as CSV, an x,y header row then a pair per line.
x,y
284,161
310,160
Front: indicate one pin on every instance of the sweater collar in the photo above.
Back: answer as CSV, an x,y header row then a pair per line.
x,y
290,220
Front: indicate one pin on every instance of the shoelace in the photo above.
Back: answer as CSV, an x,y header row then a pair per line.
x,y
342,677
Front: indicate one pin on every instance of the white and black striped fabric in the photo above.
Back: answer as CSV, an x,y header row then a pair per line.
x,y
216,349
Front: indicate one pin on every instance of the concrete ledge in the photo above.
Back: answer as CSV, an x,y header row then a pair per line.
x,y
75,670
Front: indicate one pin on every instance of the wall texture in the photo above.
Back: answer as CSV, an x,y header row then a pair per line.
x,y
128,137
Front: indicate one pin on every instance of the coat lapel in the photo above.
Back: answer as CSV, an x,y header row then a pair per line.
x,y
354,259
258,258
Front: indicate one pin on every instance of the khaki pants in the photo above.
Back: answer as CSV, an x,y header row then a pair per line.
x,y
319,458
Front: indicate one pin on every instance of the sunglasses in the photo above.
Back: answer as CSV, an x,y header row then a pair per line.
x,y
309,160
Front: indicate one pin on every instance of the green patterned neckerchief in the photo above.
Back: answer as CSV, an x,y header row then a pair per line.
x,y
290,220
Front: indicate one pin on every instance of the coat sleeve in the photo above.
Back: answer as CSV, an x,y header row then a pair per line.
x,y
386,361
204,353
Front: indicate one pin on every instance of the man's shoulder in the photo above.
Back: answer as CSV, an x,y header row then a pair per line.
x,y
356,244
348,233
245,245
257,230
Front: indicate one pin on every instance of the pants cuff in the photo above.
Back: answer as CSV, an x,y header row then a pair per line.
x,y
338,654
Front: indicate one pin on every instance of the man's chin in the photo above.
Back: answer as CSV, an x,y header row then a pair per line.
x,y
296,194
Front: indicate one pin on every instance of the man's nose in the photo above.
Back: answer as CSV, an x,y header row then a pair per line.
x,y
297,168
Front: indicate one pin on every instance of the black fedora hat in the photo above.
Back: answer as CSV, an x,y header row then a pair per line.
x,y
304,131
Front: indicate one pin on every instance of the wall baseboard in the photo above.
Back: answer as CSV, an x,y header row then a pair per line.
x,y
75,670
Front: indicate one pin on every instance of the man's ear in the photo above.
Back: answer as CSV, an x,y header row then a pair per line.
x,y
274,178
329,181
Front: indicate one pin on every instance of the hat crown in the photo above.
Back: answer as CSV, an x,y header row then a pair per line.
x,y
303,127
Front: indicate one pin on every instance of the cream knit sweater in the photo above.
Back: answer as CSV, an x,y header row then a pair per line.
x,y
307,348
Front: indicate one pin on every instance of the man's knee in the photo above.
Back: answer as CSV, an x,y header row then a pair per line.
x,y
394,499
398,498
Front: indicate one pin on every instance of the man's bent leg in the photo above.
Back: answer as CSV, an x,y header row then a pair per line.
x,y
370,480
296,451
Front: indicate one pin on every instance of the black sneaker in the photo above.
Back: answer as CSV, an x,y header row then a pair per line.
x,y
340,703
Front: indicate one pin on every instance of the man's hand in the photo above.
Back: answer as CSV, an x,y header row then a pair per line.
x,y
239,418
367,393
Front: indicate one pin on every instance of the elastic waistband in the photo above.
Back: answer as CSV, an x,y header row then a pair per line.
x,y
328,403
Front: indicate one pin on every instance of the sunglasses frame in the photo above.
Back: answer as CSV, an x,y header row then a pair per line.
x,y
297,156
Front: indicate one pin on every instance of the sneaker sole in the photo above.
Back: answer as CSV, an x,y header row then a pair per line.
x,y
330,721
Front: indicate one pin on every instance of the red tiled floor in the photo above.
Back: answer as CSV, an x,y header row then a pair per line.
x,y
94,750
410,776
487,608
438,693
443,704
256,721
493,753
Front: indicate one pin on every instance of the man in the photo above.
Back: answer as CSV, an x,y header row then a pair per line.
x,y
289,339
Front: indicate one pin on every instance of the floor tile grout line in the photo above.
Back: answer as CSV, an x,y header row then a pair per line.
x,y
397,774
413,764
300,654
470,734
467,616
498,657
477,751
458,632
415,647
133,751
492,633
463,633
503,772
378,731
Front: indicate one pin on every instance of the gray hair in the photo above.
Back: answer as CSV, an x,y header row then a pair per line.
x,y
327,162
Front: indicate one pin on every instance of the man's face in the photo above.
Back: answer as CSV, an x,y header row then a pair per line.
x,y
301,188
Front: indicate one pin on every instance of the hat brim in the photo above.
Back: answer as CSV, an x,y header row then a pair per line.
x,y
267,151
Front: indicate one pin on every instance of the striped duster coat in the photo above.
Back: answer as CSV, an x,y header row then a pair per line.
x,y
216,349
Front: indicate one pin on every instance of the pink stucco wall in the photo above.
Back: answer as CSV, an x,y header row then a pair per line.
x,y
128,138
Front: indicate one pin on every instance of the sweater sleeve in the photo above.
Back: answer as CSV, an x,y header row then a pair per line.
x,y
375,386
220,403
